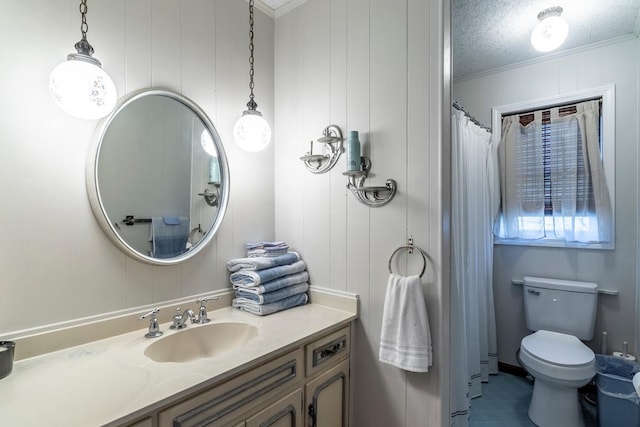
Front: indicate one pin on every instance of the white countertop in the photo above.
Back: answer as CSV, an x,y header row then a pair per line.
x,y
99,382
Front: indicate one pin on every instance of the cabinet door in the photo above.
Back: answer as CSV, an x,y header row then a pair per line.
x,y
286,412
327,398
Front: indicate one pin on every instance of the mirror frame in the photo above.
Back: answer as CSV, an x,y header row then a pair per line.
x,y
92,181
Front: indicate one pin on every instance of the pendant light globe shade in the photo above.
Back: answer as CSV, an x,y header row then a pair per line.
x,y
82,89
550,32
251,131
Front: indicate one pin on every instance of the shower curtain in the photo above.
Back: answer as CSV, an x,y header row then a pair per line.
x,y
475,199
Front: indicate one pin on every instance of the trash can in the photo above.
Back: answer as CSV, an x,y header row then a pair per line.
x,y
618,401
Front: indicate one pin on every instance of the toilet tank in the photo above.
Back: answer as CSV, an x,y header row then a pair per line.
x,y
564,306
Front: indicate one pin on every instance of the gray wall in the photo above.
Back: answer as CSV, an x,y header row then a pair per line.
x,y
615,63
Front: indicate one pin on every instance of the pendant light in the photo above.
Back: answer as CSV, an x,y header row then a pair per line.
x,y
551,31
251,131
79,85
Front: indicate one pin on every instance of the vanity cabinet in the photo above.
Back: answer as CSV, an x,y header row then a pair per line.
x,y
306,387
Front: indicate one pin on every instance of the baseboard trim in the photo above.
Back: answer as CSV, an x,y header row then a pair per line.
x,y
511,369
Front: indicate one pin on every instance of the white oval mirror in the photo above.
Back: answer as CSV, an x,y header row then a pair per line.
x,y
157,177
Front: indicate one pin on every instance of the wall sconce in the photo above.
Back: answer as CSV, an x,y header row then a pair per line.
x,y
551,31
251,131
370,196
331,142
79,85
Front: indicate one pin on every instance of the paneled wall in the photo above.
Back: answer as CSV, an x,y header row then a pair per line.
x,y
373,66
611,64
56,264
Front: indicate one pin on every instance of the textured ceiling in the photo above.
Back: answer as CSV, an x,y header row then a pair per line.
x,y
489,34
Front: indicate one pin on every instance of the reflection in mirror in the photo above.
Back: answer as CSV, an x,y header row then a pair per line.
x,y
158,178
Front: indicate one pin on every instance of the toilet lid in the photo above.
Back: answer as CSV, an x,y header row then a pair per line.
x,y
557,348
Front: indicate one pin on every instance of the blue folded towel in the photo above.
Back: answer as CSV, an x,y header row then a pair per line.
x,y
274,285
267,252
264,309
261,263
274,296
266,249
264,245
168,236
253,278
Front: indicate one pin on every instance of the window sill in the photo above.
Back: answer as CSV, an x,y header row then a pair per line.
x,y
551,243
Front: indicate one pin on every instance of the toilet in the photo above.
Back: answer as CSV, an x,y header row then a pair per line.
x,y
560,313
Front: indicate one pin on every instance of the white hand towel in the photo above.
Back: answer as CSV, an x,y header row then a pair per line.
x,y
405,339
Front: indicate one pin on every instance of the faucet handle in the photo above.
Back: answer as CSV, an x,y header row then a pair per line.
x,y
202,300
202,312
154,328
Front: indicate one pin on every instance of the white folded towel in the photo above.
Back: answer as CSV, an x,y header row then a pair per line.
x,y
405,339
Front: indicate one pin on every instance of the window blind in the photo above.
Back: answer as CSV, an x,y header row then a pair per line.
x,y
584,187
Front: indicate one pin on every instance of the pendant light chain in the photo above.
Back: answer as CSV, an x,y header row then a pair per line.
x,y
251,104
83,47
84,27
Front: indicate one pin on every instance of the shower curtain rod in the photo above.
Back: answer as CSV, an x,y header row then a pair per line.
x,y
459,107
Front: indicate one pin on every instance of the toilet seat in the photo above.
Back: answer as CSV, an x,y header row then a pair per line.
x,y
556,355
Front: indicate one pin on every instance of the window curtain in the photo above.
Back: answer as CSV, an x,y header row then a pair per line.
x,y
521,159
475,197
580,207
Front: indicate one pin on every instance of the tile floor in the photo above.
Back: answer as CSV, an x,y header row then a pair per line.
x,y
505,402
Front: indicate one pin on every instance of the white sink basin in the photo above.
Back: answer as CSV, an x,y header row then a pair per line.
x,y
196,342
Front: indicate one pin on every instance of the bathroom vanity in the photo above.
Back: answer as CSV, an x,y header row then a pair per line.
x,y
292,370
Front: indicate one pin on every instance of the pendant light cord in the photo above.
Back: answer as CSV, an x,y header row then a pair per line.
x,y
251,104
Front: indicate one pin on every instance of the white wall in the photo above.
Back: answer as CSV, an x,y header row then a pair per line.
x,y
56,264
615,63
373,66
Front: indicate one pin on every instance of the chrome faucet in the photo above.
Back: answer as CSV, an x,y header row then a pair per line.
x,y
202,311
180,318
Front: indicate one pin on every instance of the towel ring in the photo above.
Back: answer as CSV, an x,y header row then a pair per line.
x,y
410,247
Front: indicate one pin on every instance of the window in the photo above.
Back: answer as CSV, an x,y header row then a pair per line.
x,y
550,195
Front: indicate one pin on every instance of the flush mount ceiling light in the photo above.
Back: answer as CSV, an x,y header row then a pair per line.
x,y
251,132
551,31
79,85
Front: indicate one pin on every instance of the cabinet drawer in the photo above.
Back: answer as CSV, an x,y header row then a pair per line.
x,y
326,350
222,403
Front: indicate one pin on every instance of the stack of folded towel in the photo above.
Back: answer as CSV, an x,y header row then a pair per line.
x,y
269,283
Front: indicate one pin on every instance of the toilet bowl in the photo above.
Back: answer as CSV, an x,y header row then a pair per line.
x,y
560,364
